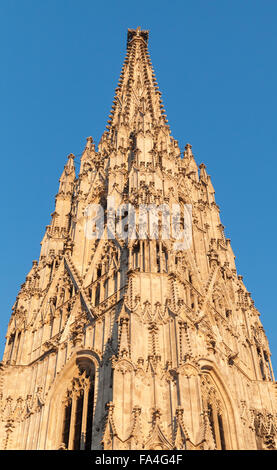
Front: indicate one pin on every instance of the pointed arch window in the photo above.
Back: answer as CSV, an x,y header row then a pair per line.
x,y
97,294
115,281
106,288
215,411
78,411
136,256
216,422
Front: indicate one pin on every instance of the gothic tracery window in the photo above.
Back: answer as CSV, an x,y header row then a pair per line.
x,y
213,405
78,410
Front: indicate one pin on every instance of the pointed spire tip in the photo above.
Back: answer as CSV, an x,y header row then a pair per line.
x,y
137,33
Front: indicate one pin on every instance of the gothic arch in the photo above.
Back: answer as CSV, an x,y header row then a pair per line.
x,y
210,371
80,374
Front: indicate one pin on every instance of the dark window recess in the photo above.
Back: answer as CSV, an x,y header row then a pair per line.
x,y
221,432
211,419
78,421
66,424
97,295
89,417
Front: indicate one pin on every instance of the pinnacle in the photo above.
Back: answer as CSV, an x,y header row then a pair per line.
x,y
137,33
70,162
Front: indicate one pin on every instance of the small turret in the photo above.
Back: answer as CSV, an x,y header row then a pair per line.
x,y
68,176
203,173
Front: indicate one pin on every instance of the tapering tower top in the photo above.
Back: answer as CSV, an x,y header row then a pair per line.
x,y
137,104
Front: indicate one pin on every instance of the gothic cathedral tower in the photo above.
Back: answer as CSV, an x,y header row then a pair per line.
x,y
138,341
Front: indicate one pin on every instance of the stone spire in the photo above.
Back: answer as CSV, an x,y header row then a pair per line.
x,y
67,177
136,342
57,232
137,104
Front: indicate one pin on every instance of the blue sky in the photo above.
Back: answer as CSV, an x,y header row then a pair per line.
x,y
215,62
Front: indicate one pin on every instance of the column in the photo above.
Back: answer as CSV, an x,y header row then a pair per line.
x,y
84,417
72,421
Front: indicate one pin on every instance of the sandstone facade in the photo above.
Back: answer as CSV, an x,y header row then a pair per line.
x,y
133,343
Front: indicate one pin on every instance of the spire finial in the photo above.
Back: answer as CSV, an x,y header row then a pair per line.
x,y
137,33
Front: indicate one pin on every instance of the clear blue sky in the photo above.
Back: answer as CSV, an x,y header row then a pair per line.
x,y
215,62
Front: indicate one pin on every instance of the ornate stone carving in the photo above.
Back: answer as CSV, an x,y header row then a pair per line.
x,y
178,355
